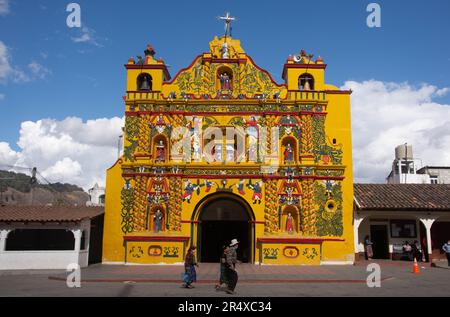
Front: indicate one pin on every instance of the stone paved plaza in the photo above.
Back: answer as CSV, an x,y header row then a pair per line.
x,y
397,279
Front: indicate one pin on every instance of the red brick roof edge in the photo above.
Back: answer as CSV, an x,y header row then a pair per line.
x,y
407,197
11,213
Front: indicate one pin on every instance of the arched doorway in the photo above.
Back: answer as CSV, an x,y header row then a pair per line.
x,y
224,217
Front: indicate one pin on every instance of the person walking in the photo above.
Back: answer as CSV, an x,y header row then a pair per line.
x,y
190,275
223,276
368,249
407,249
231,260
446,248
417,253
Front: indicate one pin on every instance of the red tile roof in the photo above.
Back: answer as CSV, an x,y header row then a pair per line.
x,y
47,213
420,197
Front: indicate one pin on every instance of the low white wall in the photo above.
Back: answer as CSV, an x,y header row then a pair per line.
x,y
38,260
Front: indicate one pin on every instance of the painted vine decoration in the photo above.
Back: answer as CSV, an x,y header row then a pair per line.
x,y
271,208
144,134
140,203
132,134
308,226
307,135
329,222
193,80
128,152
127,197
254,81
175,185
321,148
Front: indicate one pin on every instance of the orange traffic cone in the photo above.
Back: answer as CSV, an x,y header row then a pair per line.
x,y
416,269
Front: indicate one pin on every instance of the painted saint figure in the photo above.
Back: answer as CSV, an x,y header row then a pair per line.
x,y
160,152
160,120
225,50
290,224
225,83
288,154
158,220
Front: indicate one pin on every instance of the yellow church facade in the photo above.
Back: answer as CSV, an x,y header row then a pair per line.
x,y
221,151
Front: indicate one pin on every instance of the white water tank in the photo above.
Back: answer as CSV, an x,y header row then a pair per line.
x,y
403,152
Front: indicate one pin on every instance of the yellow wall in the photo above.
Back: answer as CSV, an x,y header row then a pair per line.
x,y
143,110
113,250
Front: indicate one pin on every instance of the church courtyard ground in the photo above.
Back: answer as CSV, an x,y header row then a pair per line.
x,y
397,279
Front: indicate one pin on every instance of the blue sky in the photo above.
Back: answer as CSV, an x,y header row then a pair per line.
x,y
87,79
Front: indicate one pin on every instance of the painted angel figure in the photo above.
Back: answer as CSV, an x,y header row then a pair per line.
x,y
208,185
189,191
257,192
240,186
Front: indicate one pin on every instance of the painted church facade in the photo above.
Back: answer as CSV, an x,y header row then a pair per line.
x,y
221,151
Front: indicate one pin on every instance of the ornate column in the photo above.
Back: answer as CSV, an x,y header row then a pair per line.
x,y
306,153
140,203
428,223
271,210
174,205
144,141
357,220
308,211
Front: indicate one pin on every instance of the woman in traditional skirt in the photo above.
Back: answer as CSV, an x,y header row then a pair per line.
x,y
223,262
190,275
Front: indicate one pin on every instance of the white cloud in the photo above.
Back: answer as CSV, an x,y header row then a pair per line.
x,y
63,170
69,151
7,155
33,71
4,7
2,97
87,35
385,115
5,66
38,71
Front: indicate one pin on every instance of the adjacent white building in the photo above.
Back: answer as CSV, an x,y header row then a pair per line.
x,y
43,237
404,168
391,214
437,174
96,196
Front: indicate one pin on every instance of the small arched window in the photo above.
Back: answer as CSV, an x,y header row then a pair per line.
x,y
306,82
144,82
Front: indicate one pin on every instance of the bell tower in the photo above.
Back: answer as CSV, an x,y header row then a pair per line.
x,y
302,73
146,74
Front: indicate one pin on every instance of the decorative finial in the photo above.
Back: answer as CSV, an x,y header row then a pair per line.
x,y
150,51
227,19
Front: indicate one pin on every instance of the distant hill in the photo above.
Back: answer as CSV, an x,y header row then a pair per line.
x,y
17,189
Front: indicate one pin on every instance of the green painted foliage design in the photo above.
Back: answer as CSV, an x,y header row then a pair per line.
x,y
328,224
320,144
132,127
132,133
129,151
127,210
